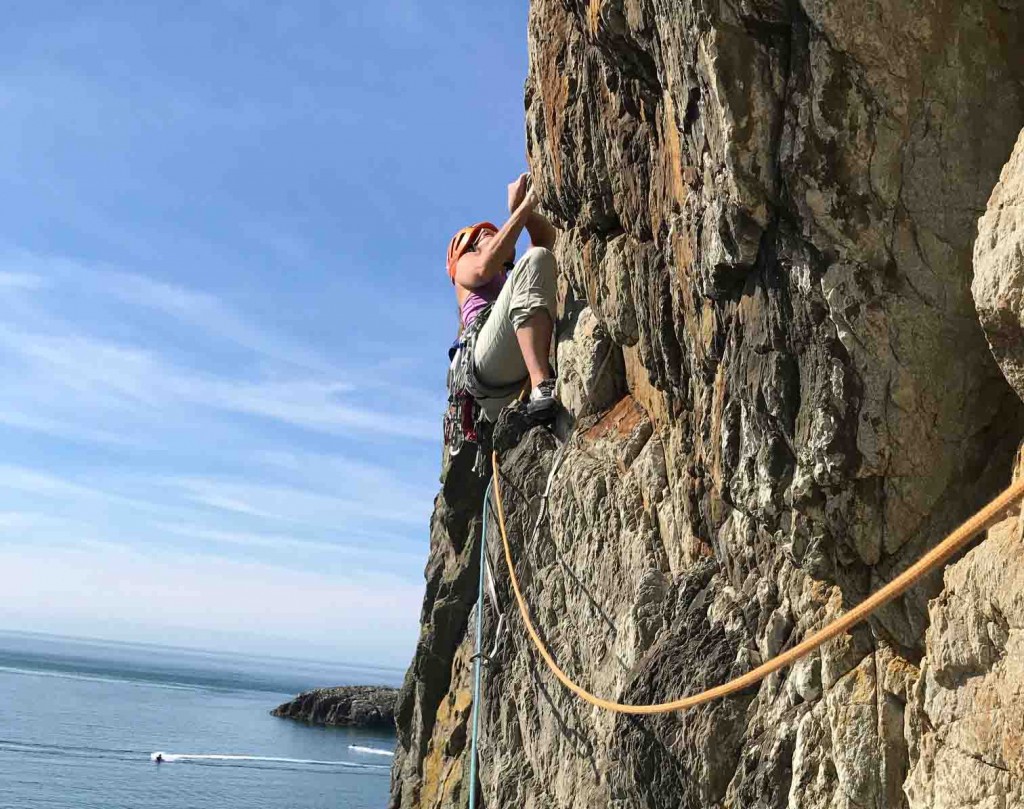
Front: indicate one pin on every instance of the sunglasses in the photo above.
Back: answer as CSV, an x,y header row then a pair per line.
x,y
479,236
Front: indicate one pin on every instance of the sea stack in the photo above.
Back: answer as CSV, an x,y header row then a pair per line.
x,y
361,706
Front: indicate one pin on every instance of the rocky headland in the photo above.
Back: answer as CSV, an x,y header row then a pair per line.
x,y
770,232
360,706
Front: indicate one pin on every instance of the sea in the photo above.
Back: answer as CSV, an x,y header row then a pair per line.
x,y
81,720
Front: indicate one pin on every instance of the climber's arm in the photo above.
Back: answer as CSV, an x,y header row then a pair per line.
x,y
542,232
478,267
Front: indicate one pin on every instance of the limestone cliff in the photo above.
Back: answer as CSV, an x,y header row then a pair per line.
x,y
769,209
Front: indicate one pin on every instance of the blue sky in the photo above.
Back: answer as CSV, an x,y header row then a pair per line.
x,y
225,310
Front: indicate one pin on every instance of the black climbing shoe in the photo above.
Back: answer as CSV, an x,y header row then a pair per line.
x,y
542,403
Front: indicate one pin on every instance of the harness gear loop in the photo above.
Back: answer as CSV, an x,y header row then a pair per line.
x,y
941,553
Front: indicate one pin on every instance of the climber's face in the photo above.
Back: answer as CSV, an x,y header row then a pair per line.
x,y
483,239
486,236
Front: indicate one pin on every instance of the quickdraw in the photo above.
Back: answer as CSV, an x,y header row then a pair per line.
x,y
463,413
460,421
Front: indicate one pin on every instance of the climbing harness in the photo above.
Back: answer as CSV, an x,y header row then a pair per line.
x,y
941,553
470,401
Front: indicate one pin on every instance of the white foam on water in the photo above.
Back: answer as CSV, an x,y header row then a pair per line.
x,y
373,751
170,758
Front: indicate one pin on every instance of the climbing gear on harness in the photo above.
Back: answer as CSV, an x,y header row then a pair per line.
x,y
469,399
941,553
462,241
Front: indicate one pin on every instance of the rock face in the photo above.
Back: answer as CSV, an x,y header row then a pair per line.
x,y
999,270
361,706
967,725
769,209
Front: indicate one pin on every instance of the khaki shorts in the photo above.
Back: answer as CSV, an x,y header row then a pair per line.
x,y
530,288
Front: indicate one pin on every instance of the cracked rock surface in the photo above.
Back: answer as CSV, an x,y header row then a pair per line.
x,y
967,725
769,210
998,285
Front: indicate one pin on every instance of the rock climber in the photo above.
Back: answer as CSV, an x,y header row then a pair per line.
x,y
515,340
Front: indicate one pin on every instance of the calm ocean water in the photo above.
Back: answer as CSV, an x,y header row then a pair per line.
x,y
79,721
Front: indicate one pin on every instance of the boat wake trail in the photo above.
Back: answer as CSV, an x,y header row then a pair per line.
x,y
34,749
372,751
218,758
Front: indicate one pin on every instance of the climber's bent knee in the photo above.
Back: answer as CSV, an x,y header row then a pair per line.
x,y
533,285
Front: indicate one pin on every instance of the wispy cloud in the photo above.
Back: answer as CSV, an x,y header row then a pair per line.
x,y
190,458
300,506
159,594
55,494
210,314
21,280
312,404
84,365
105,373
20,521
32,481
60,428
282,542
369,520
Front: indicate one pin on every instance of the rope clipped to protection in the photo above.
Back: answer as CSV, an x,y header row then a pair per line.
x,y
941,553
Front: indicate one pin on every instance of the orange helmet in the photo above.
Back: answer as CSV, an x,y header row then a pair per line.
x,y
462,241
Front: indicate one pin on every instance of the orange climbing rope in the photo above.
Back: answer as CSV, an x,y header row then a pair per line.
x,y
942,552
